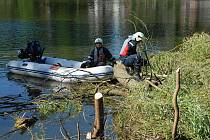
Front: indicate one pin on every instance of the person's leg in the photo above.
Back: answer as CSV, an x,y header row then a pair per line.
x,y
128,62
137,67
135,62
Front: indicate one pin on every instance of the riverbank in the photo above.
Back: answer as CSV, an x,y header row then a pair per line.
x,y
138,113
149,114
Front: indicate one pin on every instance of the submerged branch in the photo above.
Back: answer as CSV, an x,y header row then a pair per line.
x,y
66,136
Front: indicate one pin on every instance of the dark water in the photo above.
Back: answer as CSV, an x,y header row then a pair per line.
x,y
67,29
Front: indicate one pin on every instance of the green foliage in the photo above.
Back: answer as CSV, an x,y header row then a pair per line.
x,y
149,114
48,107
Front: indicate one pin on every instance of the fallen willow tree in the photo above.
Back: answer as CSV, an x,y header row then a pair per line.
x,y
149,114
71,98
66,100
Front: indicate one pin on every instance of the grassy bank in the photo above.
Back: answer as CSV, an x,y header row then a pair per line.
x,y
149,114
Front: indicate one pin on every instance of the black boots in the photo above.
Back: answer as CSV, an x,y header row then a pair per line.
x,y
129,70
137,77
137,70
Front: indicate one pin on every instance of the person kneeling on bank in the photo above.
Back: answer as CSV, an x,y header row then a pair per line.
x,y
130,57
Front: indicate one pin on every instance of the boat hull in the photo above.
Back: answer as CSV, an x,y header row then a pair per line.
x,y
66,71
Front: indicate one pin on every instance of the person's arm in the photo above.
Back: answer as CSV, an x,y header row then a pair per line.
x,y
109,55
91,55
132,45
88,61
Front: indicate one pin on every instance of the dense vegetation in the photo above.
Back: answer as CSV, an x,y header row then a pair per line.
x,y
149,114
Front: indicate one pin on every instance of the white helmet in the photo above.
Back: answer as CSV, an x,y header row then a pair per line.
x,y
98,40
138,36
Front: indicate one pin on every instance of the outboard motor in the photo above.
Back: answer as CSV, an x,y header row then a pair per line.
x,y
33,51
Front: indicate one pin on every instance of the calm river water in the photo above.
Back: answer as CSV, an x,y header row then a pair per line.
x,y
67,29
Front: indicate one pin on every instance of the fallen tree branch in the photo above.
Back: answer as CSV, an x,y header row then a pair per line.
x,y
66,136
152,84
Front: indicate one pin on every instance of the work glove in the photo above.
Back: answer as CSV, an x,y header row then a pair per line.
x,y
113,60
85,64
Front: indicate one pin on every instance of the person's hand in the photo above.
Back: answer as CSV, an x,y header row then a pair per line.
x,y
85,64
114,61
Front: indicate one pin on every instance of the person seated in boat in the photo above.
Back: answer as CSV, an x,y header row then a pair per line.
x,y
99,55
129,56
33,51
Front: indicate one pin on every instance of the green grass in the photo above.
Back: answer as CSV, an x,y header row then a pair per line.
x,y
149,114
57,104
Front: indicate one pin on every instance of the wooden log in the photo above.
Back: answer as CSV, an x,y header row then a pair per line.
x,y
127,80
152,84
123,77
175,105
98,129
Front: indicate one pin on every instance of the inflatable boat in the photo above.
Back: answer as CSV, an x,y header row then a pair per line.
x,y
61,70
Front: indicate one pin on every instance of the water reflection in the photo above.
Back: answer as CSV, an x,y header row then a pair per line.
x,y
67,27
36,86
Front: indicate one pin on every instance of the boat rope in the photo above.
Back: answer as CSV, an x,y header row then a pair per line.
x,y
80,78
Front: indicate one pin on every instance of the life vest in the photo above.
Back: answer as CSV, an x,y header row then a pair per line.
x,y
99,56
125,49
